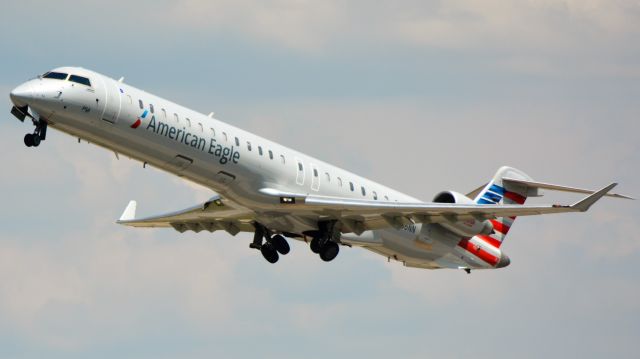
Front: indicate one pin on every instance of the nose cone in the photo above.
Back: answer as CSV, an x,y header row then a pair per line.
x,y
504,261
21,95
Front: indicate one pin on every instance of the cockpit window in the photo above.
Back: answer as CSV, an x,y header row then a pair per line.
x,y
81,80
55,75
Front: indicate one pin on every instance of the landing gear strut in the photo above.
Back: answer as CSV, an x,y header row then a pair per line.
x,y
40,134
272,247
325,241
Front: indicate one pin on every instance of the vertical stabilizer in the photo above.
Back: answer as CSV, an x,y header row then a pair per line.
x,y
499,192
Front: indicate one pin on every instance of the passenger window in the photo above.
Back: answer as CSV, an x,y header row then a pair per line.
x,y
225,137
270,154
151,108
300,167
249,145
213,132
328,176
55,75
375,196
353,188
188,122
164,114
339,182
386,198
237,142
315,172
175,115
260,150
284,160
201,128
130,99
364,191
141,104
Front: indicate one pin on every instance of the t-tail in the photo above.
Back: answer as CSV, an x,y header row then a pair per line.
x,y
503,192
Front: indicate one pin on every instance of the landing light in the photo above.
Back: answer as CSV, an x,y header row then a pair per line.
x,y
287,200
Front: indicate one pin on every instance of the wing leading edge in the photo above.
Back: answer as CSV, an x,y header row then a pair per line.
x,y
215,214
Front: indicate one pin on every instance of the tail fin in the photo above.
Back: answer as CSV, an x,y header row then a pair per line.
x,y
499,192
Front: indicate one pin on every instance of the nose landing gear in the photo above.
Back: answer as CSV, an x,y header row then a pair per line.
x,y
40,134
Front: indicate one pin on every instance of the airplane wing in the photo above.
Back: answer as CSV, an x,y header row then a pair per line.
x,y
360,215
355,215
215,214
441,209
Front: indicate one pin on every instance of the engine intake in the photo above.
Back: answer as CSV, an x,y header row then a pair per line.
x,y
466,226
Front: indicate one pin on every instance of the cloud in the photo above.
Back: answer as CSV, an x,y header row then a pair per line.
x,y
541,26
534,37
525,29
537,24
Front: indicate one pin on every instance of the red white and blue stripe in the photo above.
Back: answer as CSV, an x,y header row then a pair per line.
x,y
486,247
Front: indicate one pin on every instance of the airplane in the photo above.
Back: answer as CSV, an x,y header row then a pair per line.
x,y
277,193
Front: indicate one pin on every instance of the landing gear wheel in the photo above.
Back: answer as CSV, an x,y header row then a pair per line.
x,y
269,253
36,140
329,251
315,245
281,244
28,140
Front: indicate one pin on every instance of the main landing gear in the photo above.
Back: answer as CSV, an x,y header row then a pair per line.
x,y
272,246
40,134
325,241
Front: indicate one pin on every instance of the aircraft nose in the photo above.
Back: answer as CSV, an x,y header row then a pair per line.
x,y
504,261
21,95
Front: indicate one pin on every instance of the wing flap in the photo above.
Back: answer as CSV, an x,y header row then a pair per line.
x,y
391,210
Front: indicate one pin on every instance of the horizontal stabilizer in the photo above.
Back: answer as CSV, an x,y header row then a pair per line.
x,y
554,187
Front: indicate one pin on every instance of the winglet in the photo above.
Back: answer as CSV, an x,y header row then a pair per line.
x,y
586,203
129,213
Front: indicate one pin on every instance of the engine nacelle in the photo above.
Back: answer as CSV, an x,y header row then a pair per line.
x,y
467,227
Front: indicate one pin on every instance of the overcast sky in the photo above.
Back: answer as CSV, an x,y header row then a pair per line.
x,y
421,96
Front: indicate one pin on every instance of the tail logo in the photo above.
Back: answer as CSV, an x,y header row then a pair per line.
x,y
139,120
493,195
496,193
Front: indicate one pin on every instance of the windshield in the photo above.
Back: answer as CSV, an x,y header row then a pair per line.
x,y
80,80
55,75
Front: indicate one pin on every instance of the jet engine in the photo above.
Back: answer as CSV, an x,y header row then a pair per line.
x,y
467,226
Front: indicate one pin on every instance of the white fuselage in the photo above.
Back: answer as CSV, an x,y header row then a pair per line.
x,y
230,161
